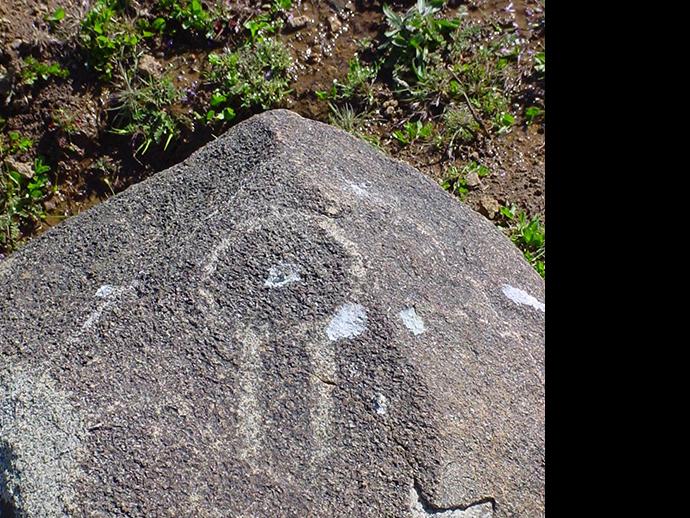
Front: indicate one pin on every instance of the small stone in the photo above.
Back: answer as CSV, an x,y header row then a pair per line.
x,y
294,23
334,24
472,180
23,168
488,206
149,65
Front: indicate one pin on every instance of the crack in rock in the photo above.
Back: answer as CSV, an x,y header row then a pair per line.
x,y
422,509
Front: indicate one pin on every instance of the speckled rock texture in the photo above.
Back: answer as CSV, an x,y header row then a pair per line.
x,y
288,323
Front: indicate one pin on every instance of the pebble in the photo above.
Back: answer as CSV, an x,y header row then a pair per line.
x,y
472,180
334,24
295,23
488,206
149,65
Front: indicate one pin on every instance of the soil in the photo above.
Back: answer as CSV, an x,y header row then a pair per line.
x,y
91,164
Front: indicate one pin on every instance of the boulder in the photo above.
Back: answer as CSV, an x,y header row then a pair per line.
x,y
287,323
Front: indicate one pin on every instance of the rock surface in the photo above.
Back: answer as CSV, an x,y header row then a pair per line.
x,y
288,323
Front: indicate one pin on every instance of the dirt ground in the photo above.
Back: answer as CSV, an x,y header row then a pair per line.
x,y
90,163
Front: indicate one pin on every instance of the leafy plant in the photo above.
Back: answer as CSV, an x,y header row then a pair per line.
x,y
264,25
32,70
145,111
455,180
190,15
253,77
459,127
503,122
55,18
413,39
22,191
540,62
356,123
528,235
358,85
413,131
106,36
455,183
532,113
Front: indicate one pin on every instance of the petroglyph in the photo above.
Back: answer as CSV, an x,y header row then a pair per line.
x,y
522,297
348,322
412,321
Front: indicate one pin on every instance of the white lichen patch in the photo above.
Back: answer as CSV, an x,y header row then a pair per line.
x,y
349,321
282,274
380,404
522,297
412,321
360,190
105,291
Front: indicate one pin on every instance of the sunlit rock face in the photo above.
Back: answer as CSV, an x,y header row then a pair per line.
x,y
288,323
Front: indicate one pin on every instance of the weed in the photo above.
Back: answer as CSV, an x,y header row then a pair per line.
x,y
473,167
262,26
107,36
503,122
188,15
413,39
533,113
358,85
22,190
253,77
540,63
455,180
528,235
145,111
32,70
55,18
64,121
413,131
455,183
481,73
356,123
459,127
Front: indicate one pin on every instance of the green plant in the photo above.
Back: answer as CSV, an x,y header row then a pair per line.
x,y
22,190
459,127
145,110
413,40
532,113
356,123
358,84
481,70
32,70
455,180
455,183
107,37
413,131
528,235
190,15
540,62
63,120
266,24
55,18
473,167
253,77
503,122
